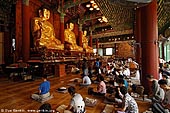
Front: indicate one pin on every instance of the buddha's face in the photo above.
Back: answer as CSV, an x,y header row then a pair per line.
x,y
85,33
46,14
71,26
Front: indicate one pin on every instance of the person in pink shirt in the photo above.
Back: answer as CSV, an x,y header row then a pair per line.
x,y
101,88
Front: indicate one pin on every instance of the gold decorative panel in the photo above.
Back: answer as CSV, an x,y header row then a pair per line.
x,y
124,50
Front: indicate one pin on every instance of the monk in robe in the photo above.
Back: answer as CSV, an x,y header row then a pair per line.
x,y
70,39
43,31
87,48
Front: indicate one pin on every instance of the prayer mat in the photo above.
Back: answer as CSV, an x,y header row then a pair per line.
x,y
71,84
46,99
108,109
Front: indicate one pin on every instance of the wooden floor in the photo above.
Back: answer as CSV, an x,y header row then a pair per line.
x,y
16,95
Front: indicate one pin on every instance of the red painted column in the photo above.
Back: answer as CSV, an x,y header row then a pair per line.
x,y
91,42
138,35
62,39
149,34
25,30
80,35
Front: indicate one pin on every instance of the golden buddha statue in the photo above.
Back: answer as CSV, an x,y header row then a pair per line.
x,y
87,48
43,31
70,39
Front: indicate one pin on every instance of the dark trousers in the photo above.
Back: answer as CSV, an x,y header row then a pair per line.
x,y
98,93
157,108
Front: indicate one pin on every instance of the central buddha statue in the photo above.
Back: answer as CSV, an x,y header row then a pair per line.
x,y
87,48
70,39
43,31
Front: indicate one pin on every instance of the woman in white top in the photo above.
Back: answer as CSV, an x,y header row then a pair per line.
x,y
86,81
77,104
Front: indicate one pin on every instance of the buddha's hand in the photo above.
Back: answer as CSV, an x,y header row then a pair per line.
x,y
39,23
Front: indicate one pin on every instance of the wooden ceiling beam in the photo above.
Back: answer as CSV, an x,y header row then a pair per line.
x,y
112,33
71,3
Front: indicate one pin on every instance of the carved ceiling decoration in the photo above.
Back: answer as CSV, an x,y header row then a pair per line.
x,y
131,3
163,15
119,17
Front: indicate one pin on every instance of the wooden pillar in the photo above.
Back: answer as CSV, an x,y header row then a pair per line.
x,y
25,30
149,34
60,70
80,35
62,39
138,35
91,43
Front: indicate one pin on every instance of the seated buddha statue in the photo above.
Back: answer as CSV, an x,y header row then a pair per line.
x,y
43,31
70,39
87,48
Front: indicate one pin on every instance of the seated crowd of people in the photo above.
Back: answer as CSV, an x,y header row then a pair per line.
x,y
119,86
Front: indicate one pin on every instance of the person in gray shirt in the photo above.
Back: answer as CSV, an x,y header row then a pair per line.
x,y
156,94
